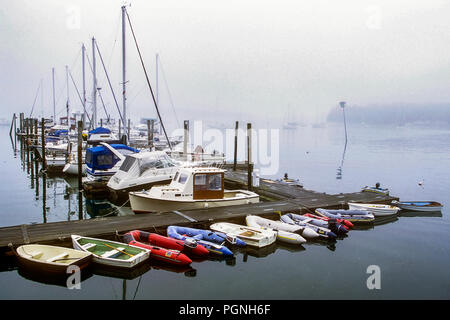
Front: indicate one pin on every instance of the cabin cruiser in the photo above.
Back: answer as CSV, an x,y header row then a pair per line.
x,y
141,171
103,161
190,188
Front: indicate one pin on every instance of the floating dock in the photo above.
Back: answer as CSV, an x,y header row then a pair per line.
x,y
290,199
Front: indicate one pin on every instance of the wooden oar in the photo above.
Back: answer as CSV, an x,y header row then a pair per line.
x,y
131,255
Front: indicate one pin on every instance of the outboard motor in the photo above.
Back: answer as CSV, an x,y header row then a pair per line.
x,y
190,243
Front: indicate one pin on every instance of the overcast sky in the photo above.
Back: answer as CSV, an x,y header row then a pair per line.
x,y
229,59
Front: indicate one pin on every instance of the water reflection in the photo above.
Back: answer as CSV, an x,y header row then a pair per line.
x,y
339,169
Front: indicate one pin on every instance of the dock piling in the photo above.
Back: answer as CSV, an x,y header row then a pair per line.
x,y
80,169
44,161
235,145
249,157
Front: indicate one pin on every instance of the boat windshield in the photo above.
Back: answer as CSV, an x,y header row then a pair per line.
x,y
160,162
127,164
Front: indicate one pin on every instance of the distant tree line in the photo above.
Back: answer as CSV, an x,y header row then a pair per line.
x,y
398,114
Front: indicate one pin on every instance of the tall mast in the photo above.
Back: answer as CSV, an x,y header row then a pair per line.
x,y
157,90
124,111
83,52
54,103
68,106
94,89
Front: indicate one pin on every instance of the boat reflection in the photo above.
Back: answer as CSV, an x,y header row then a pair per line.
x,y
60,280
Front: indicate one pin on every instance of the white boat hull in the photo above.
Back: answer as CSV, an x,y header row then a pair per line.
x,y
378,210
142,202
285,232
72,168
255,237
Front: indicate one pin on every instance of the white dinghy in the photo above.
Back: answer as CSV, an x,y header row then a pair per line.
x,y
255,237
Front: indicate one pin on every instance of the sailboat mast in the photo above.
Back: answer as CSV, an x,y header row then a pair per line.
x,y
124,108
68,106
54,103
83,53
94,89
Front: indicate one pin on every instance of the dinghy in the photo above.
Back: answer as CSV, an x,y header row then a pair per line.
x,y
424,206
377,210
139,239
208,239
296,219
111,253
336,226
285,232
255,237
354,216
51,259
345,223
187,247
376,189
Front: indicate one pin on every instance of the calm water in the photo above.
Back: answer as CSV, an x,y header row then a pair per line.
x,y
412,251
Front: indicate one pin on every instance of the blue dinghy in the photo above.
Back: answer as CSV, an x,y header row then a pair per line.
x,y
213,241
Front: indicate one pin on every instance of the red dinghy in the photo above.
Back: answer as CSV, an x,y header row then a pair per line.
x,y
187,247
168,255
346,223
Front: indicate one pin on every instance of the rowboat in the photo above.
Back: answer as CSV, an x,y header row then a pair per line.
x,y
208,239
354,216
377,210
285,232
427,206
172,256
255,237
319,226
111,253
51,259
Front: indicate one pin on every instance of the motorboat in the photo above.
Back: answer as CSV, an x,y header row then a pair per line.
x,y
299,220
103,161
212,241
424,206
288,233
141,239
190,188
354,216
140,171
252,236
111,253
376,209
376,189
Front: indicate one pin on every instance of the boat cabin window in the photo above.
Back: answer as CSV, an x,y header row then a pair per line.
x,y
127,164
106,159
208,185
155,163
176,176
183,178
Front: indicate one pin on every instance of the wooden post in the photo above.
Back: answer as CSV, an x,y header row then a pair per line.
x,y
80,169
12,125
21,122
36,137
120,129
150,124
185,138
44,162
235,145
128,131
249,157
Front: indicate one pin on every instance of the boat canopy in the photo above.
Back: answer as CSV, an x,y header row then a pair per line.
x,y
99,130
101,158
151,160
59,133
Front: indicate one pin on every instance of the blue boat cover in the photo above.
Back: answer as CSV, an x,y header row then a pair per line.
x,y
58,133
101,158
99,130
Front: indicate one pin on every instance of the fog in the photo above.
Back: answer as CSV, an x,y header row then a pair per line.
x,y
228,60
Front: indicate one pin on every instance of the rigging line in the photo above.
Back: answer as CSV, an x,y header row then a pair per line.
x,y
168,91
104,107
112,90
148,81
79,96
115,40
35,98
